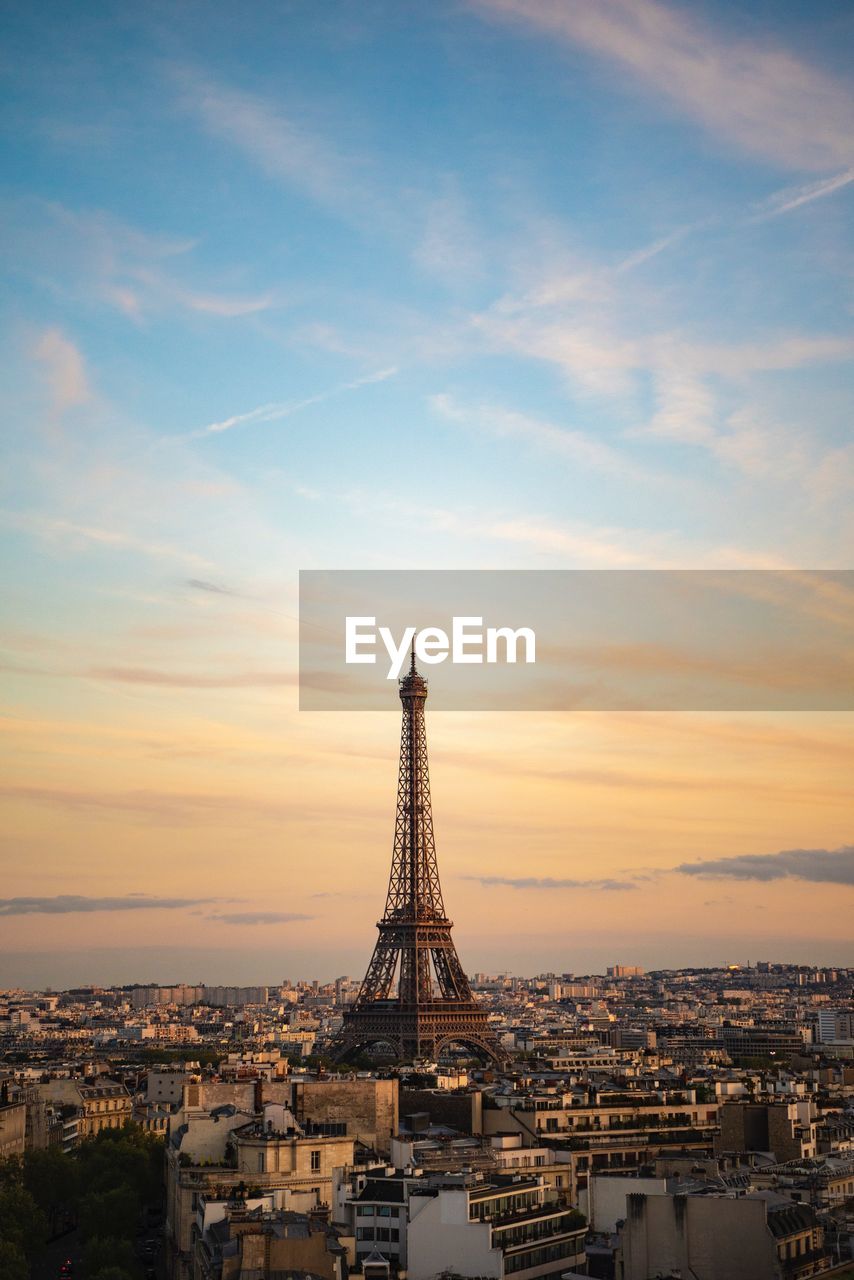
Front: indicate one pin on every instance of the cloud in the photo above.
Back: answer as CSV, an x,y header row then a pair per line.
x,y
546,882
759,97
151,288
193,679
200,584
90,254
573,544
280,145
171,808
694,383
793,197
819,866
284,409
645,254
68,533
574,446
73,904
449,247
722,659
259,917
339,893
64,368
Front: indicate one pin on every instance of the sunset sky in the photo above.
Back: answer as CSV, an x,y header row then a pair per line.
x,y
476,284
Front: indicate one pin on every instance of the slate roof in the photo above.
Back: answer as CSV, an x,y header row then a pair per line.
x,y
790,1220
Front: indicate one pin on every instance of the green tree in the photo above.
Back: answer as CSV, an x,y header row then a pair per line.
x,y
127,1157
11,1171
113,1273
110,1213
22,1222
103,1253
50,1177
13,1262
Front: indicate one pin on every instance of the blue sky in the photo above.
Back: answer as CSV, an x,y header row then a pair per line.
x,y
618,299
535,283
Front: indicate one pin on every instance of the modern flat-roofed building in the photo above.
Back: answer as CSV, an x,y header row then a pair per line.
x,y
507,1225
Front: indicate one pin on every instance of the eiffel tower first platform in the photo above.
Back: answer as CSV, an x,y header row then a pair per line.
x,y
415,996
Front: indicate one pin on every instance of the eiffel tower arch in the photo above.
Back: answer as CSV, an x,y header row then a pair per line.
x,y
415,996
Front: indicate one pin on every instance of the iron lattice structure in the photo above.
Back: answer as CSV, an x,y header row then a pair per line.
x,y
415,996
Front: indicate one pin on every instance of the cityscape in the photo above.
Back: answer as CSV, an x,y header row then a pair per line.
x,y
421,1123
426,678
626,1105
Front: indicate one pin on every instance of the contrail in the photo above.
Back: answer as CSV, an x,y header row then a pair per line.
x,y
284,409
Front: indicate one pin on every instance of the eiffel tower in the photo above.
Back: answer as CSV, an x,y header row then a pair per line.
x,y
415,996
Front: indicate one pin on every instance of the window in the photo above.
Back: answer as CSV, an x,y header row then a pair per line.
x,y
364,1233
315,1160
260,1161
384,1211
364,1210
564,1252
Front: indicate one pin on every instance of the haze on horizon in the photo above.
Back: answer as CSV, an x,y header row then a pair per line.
x,y
500,284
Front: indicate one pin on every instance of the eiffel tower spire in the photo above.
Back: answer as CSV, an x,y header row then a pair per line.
x,y
415,995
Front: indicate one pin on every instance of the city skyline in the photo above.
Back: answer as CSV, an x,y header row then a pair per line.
x,y
588,269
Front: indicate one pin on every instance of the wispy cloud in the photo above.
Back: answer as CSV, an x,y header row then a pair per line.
x,y
286,408
547,882
282,145
148,289
212,588
449,247
572,544
64,368
793,197
259,917
650,251
693,382
70,534
338,893
761,98
169,808
819,866
74,904
193,679
90,255
573,445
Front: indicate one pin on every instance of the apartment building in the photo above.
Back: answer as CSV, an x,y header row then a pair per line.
x,y
103,1103
506,1225
247,1242
216,1152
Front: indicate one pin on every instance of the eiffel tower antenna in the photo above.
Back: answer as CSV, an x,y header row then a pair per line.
x,y
415,996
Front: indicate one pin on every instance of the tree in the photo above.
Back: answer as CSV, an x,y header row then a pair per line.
x,y
10,1171
108,1253
22,1222
13,1262
127,1157
110,1213
50,1178
113,1273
